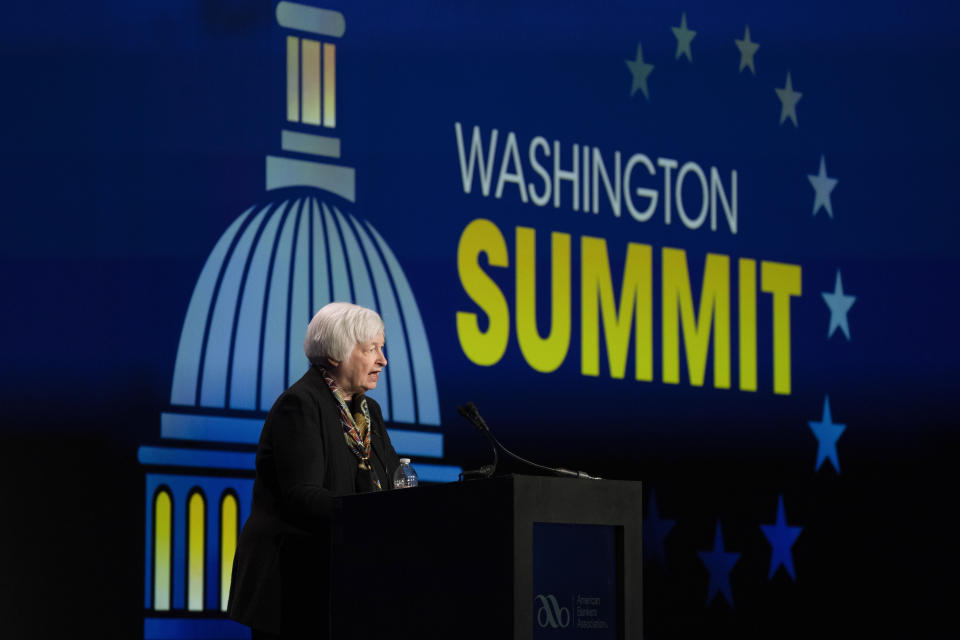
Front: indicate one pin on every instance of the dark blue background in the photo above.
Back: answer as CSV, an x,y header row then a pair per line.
x,y
134,133
570,562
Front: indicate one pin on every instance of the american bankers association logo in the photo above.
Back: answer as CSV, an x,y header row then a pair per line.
x,y
587,613
550,613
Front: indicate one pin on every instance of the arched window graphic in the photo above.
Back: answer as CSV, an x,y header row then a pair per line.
x,y
229,524
162,548
196,529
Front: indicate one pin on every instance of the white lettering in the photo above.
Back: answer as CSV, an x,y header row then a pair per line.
x,y
668,164
573,175
476,157
540,143
592,178
729,206
695,223
652,194
510,154
613,192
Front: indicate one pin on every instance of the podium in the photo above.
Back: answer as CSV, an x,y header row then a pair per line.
x,y
522,557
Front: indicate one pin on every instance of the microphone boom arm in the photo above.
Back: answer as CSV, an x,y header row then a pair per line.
x,y
470,412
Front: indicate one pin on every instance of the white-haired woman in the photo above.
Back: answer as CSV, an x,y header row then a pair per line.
x,y
322,438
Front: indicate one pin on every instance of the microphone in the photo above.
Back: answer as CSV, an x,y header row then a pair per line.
x,y
470,412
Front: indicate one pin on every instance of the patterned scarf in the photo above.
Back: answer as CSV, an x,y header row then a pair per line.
x,y
356,428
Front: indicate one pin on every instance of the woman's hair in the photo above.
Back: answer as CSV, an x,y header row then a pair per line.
x,y
337,328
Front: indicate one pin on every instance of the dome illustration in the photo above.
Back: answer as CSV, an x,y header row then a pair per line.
x,y
277,263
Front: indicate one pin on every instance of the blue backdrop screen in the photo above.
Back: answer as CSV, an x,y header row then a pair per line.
x,y
707,246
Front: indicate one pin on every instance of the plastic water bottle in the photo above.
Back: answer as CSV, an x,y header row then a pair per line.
x,y
404,477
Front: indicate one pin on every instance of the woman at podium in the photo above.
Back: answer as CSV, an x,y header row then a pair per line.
x,y
322,438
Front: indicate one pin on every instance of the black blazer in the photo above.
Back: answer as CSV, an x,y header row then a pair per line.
x,y
280,578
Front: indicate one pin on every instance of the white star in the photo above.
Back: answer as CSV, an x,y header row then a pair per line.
x,y
684,37
747,49
839,305
788,99
822,186
640,70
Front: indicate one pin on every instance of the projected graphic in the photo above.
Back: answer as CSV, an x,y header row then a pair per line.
x,y
728,325
783,281
241,346
705,246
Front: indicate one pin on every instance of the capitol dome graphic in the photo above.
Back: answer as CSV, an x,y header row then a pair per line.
x,y
241,344
274,266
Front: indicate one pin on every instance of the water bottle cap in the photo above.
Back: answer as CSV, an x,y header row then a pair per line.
x,y
404,460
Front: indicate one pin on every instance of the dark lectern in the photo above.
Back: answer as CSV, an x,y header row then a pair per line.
x,y
520,557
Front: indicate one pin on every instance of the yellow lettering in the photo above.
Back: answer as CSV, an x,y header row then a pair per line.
x,y
636,296
484,331
783,281
714,311
748,324
543,354
484,348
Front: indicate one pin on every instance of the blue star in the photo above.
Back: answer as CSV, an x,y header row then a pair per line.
x,y
719,563
655,530
781,537
827,434
839,305
822,187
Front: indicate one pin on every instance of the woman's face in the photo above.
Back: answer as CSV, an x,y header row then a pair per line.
x,y
361,369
